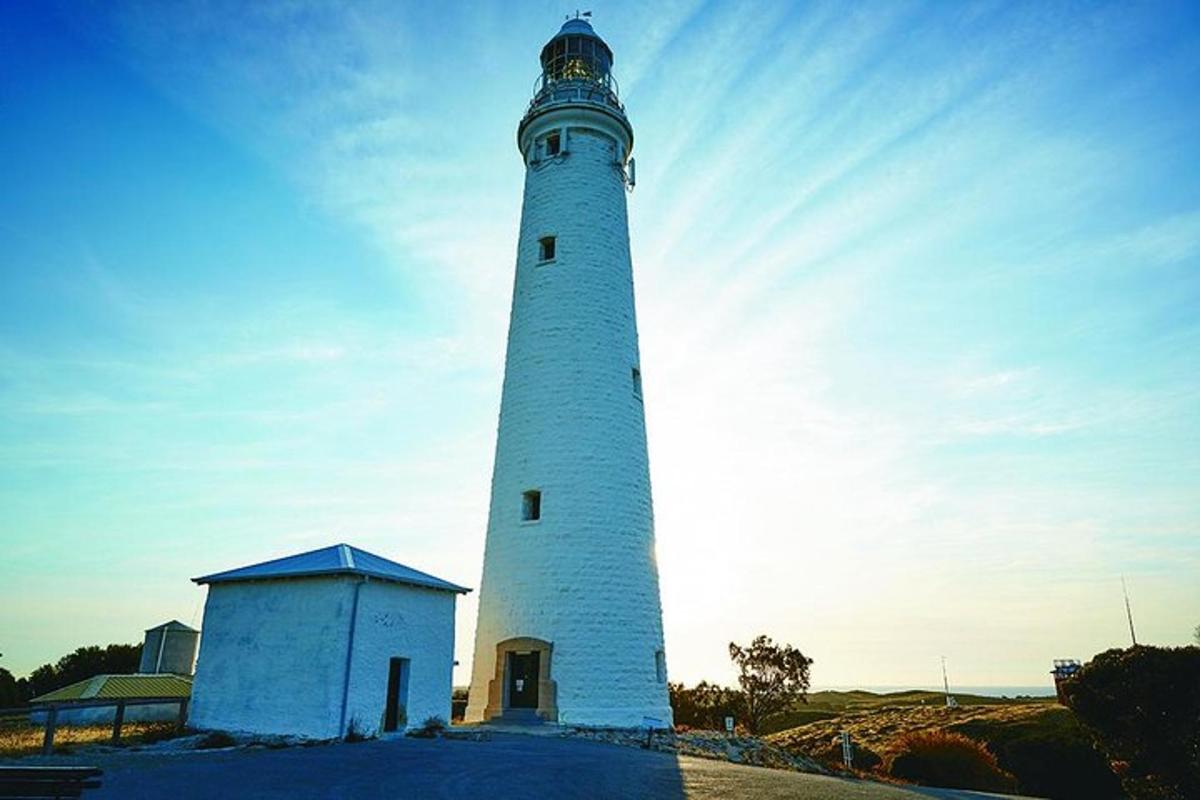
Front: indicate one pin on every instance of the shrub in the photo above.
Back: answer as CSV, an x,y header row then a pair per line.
x,y
705,706
950,760
458,704
354,732
430,728
1051,755
214,740
862,757
1141,706
159,732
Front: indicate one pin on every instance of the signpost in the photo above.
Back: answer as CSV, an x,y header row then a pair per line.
x,y
847,750
729,725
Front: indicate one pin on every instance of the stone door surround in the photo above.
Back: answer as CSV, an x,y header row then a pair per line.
x,y
547,707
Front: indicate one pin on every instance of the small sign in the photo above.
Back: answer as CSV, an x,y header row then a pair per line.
x,y
729,724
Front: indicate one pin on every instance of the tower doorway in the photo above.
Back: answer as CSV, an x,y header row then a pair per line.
x,y
523,679
395,714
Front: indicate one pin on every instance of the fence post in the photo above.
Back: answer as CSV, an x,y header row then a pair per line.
x,y
51,722
118,720
183,707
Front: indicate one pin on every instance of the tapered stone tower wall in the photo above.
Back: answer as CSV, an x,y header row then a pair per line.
x,y
577,584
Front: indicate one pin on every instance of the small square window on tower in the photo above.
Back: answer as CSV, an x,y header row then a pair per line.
x,y
637,383
546,248
553,144
531,506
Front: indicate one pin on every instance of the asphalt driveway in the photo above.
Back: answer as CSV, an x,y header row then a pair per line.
x,y
504,766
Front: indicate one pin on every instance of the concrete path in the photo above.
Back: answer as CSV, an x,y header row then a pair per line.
x,y
505,766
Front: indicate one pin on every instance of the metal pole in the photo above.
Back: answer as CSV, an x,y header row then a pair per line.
x,y
118,720
1128,612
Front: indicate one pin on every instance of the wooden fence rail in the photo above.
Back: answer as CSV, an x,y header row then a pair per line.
x,y
51,710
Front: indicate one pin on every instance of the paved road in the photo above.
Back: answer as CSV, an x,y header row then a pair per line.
x,y
507,765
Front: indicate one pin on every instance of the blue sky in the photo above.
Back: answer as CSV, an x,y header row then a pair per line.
x,y
917,289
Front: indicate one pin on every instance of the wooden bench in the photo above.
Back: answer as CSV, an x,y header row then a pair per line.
x,y
42,782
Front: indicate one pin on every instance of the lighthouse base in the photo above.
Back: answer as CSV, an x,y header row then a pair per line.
x,y
522,684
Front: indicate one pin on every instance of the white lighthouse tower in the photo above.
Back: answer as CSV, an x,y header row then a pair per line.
x,y
570,620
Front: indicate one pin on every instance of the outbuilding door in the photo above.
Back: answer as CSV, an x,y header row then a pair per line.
x,y
523,680
395,714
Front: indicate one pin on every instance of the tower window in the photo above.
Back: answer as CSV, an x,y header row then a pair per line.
x,y
531,506
660,666
637,383
553,144
546,248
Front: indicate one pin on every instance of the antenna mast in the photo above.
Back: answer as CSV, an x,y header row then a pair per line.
x,y
1128,612
950,701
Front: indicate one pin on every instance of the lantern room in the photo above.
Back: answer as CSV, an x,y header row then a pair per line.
x,y
577,53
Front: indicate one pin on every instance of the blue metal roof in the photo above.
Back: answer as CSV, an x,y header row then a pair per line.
x,y
577,25
340,559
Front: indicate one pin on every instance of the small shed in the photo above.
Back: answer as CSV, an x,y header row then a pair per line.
x,y
170,647
77,703
322,644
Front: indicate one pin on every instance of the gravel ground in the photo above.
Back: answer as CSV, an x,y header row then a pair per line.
x,y
460,767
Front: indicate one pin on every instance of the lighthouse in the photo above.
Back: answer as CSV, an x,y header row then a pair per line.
x,y
570,617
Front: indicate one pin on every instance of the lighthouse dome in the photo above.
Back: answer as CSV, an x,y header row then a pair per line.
x,y
577,53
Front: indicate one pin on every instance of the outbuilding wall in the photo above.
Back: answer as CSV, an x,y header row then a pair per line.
x,y
400,621
273,657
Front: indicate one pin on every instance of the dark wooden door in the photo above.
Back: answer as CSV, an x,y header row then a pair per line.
x,y
522,680
395,712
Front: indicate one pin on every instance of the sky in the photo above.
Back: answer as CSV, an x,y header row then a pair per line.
x,y
918,289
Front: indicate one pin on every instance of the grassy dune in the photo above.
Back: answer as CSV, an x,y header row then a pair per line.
x,y
1038,741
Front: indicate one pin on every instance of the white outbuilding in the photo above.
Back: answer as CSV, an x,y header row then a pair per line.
x,y
322,644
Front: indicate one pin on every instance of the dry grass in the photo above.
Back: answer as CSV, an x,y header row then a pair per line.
x,y
23,738
880,729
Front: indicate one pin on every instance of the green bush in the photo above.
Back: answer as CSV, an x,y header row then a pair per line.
x,y
949,760
1142,707
1051,755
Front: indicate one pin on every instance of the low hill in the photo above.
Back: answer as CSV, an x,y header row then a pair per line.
x,y
1035,739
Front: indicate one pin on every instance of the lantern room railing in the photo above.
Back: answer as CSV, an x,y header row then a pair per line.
x,y
598,89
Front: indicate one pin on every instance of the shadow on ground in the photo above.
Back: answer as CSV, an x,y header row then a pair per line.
x,y
505,765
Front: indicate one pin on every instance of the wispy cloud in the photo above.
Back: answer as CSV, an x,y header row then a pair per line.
x,y
914,290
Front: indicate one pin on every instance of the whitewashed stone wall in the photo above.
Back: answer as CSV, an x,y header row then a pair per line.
x,y
273,655
395,620
583,577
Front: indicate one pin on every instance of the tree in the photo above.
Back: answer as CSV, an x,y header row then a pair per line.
x,y
704,706
114,659
773,677
1141,706
11,690
1196,634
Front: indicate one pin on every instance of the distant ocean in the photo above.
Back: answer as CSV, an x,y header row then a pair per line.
x,y
985,691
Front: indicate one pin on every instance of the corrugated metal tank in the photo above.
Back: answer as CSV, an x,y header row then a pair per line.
x,y
170,647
